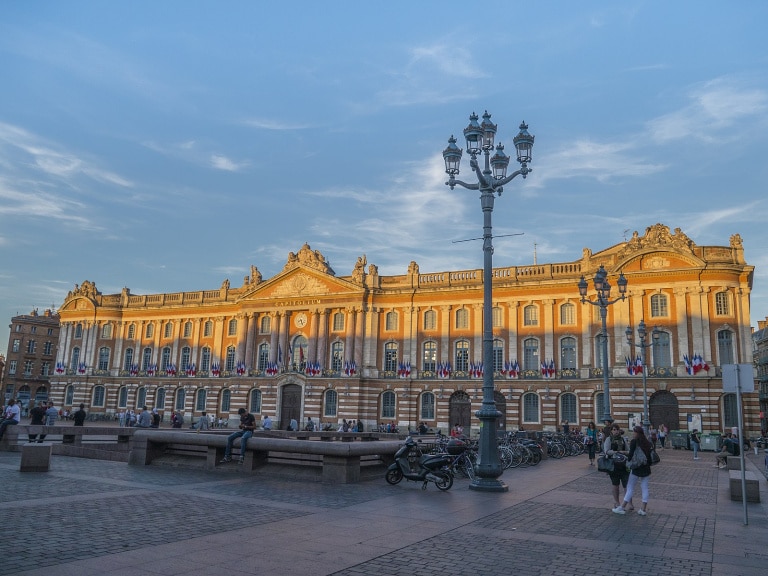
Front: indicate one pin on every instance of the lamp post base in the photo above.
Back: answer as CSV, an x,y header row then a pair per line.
x,y
488,485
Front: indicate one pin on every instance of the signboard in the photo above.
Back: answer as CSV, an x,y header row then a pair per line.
x,y
738,374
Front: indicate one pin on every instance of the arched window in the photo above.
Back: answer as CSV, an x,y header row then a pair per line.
x,y
229,364
98,397
430,320
208,328
722,304
186,354
181,398
461,356
569,408
103,358
150,332
187,329
531,354
160,399
122,397
390,357
659,307
266,325
226,400
69,397
338,322
567,353
141,397
168,330
205,359
498,355
106,331
429,358
232,328
128,359
530,315
530,402
567,314
330,403
497,317
462,319
388,405
75,358
79,331
255,404
165,358
725,347
390,322
131,331
200,399
427,406
730,411
337,356
263,356
662,357
146,359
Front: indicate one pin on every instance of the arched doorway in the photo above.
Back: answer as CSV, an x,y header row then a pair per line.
x,y
460,410
663,409
290,405
501,406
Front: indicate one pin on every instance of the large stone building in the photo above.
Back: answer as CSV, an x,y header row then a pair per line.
x,y
32,350
407,348
760,338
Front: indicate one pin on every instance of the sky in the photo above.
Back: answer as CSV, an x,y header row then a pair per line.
x,y
167,146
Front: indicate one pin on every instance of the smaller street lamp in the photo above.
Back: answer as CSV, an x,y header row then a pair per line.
x,y
642,333
603,289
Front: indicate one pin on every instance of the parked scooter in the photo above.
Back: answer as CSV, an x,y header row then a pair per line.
x,y
431,468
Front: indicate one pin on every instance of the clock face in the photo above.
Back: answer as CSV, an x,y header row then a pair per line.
x,y
300,320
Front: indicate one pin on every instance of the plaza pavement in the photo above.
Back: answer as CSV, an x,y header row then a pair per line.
x,y
88,517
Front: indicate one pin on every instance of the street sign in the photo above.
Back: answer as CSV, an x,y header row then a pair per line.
x,y
735,374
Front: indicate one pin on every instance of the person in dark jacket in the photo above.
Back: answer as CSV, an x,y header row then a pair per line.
x,y
79,416
642,473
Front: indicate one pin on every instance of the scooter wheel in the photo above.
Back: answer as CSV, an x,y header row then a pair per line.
x,y
394,476
444,481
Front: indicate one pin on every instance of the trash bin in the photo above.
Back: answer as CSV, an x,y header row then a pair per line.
x,y
712,442
680,439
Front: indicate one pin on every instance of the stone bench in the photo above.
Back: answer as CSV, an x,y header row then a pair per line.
x,y
751,482
733,462
36,457
340,461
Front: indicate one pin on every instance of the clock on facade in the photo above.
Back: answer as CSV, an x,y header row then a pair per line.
x,y
300,320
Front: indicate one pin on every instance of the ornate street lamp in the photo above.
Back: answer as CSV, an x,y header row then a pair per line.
x,y
603,289
490,181
642,333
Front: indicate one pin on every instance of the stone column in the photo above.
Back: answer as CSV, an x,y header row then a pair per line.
x,y
548,325
273,336
321,317
359,331
445,335
681,324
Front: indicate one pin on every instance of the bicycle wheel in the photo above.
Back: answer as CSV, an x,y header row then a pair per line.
x,y
444,482
394,476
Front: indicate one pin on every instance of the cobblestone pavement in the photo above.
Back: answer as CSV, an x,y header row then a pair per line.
x,y
90,517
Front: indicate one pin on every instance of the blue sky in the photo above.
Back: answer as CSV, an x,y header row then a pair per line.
x,y
166,146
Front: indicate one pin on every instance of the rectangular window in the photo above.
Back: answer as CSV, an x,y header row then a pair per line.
x,y
338,322
330,407
388,405
28,365
31,345
12,367
47,348
428,406
530,408
659,306
46,371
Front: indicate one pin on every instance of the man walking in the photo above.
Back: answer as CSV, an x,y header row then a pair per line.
x,y
247,426
80,415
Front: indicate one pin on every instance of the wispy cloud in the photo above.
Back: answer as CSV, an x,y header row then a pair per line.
x,y
713,107
221,162
274,124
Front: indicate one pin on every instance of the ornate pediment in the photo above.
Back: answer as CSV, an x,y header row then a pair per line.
x,y
657,237
86,290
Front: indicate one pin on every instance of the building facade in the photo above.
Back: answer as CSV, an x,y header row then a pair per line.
x,y
760,339
30,361
408,348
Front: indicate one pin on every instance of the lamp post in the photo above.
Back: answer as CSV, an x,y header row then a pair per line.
x,y
642,333
603,289
490,181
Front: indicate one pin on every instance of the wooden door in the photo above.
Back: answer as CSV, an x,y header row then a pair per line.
x,y
663,409
290,405
460,411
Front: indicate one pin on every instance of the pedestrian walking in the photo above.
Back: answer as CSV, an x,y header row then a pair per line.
x,y
591,442
613,446
640,474
79,416
663,430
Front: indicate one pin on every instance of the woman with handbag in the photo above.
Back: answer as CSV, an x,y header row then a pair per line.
x,y
591,441
615,448
639,464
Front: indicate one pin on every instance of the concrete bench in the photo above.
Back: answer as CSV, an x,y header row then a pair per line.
x,y
733,463
751,482
340,461
36,457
